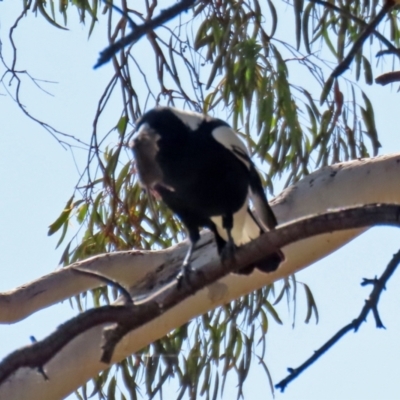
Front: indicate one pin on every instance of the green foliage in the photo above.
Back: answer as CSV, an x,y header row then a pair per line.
x,y
240,60
47,8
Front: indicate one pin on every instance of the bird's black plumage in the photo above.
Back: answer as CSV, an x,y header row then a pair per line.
x,y
202,171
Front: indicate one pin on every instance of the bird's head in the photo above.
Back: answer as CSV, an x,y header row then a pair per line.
x,y
168,123
162,128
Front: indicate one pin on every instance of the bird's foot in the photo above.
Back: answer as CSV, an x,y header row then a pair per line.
x,y
228,252
184,274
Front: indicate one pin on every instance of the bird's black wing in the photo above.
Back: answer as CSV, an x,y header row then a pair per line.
x,y
263,211
263,214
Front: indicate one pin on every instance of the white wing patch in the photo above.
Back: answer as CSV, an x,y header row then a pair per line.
x,y
251,230
239,222
190,118
245,229
230,140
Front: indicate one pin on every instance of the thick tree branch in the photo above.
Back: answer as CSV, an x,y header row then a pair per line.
x,y
330,187
371,304
148,273
132,317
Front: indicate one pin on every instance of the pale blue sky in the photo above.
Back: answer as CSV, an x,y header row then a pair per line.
x,y
38,176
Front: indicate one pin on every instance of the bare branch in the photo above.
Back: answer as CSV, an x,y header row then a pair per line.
x,y
392,49
16,77
136,268
369,29
371,304
102,278
130,317
141,30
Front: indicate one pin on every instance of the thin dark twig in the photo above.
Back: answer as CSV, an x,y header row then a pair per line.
x,y
132,23
125,293
371,304
143,29
15,77
387,52
392,49
345,63
11,33
53,132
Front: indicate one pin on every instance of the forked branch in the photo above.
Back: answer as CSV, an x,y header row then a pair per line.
x,y
371,304
130,317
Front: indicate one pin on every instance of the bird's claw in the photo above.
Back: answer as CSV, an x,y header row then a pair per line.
x,y
228,252
184,274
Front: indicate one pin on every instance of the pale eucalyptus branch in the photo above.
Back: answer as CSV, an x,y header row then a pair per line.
x,y
150,276
130,317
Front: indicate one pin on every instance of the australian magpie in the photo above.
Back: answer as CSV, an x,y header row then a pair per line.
x,y
202,171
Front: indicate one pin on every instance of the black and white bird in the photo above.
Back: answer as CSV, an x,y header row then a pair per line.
x,y
202,171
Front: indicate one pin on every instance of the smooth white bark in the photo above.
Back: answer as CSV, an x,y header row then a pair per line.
x,y
342,185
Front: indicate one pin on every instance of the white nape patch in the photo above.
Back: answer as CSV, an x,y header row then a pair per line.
x,y
189,118
229,139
